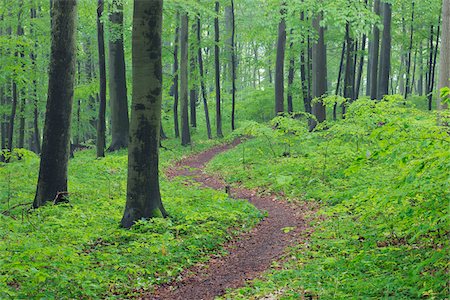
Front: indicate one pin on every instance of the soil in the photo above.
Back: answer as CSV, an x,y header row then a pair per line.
x,y
250,254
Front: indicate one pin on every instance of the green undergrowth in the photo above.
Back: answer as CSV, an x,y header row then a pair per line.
x,y
78,251
383,178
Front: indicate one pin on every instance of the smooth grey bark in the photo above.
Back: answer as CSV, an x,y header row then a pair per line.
x,y
143,192
120,122
385,53
101,123
184,85
319,74
375,54
444,62
52,179
202,80
279,65
349,78
217,71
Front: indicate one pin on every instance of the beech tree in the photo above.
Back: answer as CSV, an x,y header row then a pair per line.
x,y
143,193
184,85
52,181
101,123
444,64
117,79
279,69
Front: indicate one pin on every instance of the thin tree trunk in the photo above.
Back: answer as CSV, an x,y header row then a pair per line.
x,y
375,55
279,69
349,68
175,78
193,93
202,80
408,65
184,85
217,72
56,143
361,67
101,124
233,68
338,84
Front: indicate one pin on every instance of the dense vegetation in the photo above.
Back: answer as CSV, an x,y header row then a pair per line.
x,y
382,178
343,103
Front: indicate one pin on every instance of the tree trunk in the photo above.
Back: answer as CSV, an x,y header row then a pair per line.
x,y
55,147
233,67
444,62
408,65
202,80
279,68
375,55
349,68
385,53
175,78
184,85
217,72
101,124
361,67
338,84
319,74
143,192
193,97
117,80
291,75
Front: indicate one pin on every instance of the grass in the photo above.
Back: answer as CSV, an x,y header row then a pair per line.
x,y
382,176
77,250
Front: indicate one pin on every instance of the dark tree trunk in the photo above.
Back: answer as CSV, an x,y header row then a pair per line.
x,y
217,72
21,142
319,74
349,78
360,67
433,58
408,63
375,55
193,97
184,85
143,192
175,79
117,80
202,80
36,135
385,53
55,147
304,71
338,84
279,68
233,67
101,124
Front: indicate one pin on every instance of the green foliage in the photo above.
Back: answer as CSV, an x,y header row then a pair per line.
x,y
382,175
77,250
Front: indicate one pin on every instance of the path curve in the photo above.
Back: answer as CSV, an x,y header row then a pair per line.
x,y
252,252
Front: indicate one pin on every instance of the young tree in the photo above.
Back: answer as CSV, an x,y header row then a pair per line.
x,y
202,80
444,63
184,85
217,72
233,67
175,85
55,147
117,79
279,68
101,123
143,193
375,55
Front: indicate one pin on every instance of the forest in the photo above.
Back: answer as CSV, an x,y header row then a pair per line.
x,y
224,149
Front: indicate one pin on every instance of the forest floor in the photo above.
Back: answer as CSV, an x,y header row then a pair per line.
x,y
253,252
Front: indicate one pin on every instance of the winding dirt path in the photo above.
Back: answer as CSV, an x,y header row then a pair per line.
x,y
252,252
